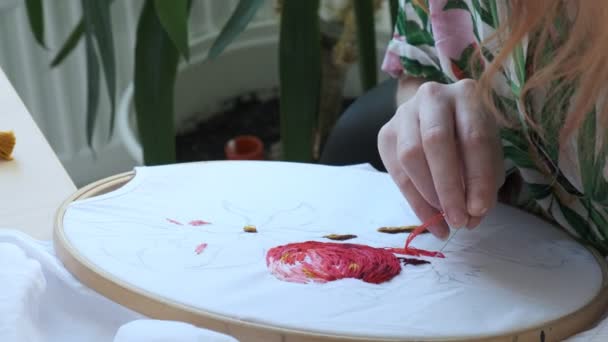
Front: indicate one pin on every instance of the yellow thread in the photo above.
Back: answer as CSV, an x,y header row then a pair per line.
x,y
340,237
308,273
284,257
250,229
7,143
353,267
398,229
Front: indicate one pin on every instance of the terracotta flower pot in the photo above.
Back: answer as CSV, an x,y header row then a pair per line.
x,y
244,147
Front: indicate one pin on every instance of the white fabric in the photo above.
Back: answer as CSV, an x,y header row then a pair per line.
x,y
513,272
166,331
41,301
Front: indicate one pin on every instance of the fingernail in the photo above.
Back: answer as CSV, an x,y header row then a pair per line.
x,y
457,219
477,208
445,234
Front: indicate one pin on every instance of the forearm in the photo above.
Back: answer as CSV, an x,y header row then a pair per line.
x,y
407,88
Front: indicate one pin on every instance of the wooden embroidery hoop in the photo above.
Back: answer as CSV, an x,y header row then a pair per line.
x,y
153,306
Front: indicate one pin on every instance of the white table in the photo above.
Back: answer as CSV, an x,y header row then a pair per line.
x,y
34,183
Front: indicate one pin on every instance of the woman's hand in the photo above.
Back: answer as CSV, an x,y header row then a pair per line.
x,y
444,154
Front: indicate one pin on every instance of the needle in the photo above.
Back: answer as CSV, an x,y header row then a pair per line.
x,y
450,239
429,222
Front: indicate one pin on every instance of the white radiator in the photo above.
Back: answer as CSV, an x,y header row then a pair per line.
x,y
56,97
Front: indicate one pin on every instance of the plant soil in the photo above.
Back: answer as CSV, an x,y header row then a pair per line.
x,y
249,115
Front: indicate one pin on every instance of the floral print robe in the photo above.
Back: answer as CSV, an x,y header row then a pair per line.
x,y
565,182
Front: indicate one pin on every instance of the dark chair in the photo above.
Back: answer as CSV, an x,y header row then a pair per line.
x,y
354,138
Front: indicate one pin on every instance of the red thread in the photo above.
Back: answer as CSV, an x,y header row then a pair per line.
x,y
407,250
200,248
174,222
320,262
198,223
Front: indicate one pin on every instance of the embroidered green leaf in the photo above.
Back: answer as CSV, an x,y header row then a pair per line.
x,y
455,4
415,35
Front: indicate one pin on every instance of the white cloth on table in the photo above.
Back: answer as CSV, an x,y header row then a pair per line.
x,y
41,301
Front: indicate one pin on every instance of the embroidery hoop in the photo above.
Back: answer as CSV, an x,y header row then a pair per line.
x,y
150,305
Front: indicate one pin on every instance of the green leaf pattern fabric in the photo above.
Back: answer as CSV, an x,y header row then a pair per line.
x,y
567,182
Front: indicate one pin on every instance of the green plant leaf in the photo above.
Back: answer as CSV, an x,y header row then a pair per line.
x,y
35,14
366,39
300,77
156,61
173,15
394,8
92,82
239,19
69,45
99,23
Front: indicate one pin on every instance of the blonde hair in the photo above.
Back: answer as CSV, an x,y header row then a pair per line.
x,y
577,33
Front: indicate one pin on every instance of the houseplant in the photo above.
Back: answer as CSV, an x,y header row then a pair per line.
x,y
162,40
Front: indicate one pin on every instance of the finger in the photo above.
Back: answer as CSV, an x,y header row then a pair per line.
x,y
438,136
480,144
474,221
422,209
412,159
